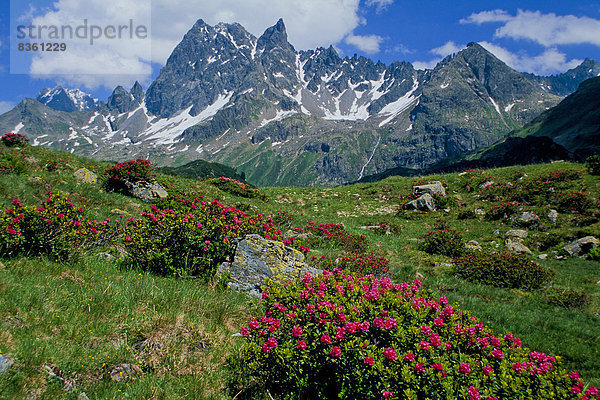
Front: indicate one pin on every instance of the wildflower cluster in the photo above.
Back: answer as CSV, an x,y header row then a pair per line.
x,y
502,270
331,235
355,262
447,242
56,227
351,336
560,189
191,238
503,210
14,140
472,178
237,188
128,171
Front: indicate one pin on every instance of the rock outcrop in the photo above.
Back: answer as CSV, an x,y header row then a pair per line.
x,y
258,260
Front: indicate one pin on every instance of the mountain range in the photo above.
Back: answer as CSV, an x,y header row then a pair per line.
x,y
288,117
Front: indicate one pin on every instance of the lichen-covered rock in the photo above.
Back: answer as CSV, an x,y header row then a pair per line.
x,y
258,260
553,216
431,188
423,203
581,247
473,245
85,175
5,363
517,247
528,218
516,234
146,190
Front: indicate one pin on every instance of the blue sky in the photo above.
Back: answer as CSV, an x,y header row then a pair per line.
x,y
543,37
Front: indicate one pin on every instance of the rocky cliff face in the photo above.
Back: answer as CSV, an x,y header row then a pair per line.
x,y
287,117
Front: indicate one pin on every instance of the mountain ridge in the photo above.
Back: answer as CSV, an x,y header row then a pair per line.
x,y
285,117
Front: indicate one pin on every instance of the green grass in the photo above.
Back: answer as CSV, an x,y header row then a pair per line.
x,y
85,317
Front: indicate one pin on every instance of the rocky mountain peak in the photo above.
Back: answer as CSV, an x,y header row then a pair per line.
x,y
274,36
68,100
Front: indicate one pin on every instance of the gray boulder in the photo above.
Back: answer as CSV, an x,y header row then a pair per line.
x,y
516,234
5,363
517,247
581,247
473,245
258,260
85,175
423,203
528,218
553,216
431,188
146,190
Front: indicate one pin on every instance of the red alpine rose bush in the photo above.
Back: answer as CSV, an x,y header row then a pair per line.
x,y
14,140
130,171
331,235
340,336
502,270
355,262
472,178
56,227
503,210
447,242
190,239
237,188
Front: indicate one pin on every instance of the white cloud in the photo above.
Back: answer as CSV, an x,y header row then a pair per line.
x,y
6,106
381,4
486,16
551,61
309,23
447,49
368,43
549,30
425,64
442,51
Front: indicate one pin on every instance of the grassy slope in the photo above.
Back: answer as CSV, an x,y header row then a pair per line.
x,y
85,317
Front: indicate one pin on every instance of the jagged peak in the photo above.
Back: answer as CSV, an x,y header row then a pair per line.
x,y
274,36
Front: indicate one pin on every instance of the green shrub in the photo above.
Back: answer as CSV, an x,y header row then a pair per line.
x,y
341,336
447,242
594,254
592,164
237,188
57,227
567,298
466,214
502,270
551,239
11,162
442,202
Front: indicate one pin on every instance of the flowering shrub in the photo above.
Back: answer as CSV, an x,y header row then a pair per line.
x,y
359,337
56,227
130,171
11,162
190,239
502,270
330,235
237,188
14,140
356,262
472,178
574,202
446,242
592,164
567,298
502,210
